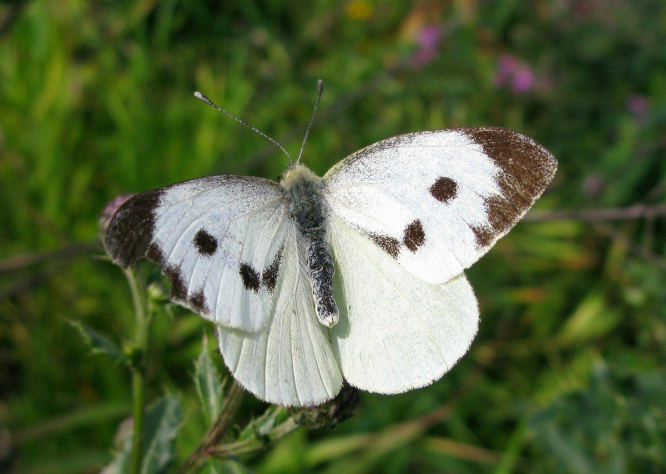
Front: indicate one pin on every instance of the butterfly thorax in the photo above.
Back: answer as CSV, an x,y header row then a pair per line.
x,y
303,189
305,204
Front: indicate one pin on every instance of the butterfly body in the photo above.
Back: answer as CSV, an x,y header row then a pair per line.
x,y
357,275
306,208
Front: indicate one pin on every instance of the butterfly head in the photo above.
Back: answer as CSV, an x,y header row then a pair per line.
x,y
296,175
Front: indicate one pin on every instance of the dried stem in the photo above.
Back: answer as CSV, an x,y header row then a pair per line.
x,y
216,432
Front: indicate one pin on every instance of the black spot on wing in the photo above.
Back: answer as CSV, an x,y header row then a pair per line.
x,y
205,243
155,254
444,189
132,228
250,277
414,236
270,275
198,302
388,244
178,288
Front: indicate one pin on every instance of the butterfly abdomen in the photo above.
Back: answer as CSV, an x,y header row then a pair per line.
x,y
306,209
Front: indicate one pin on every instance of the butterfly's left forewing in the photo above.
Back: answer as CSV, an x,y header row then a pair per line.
x,y
436,201
218,239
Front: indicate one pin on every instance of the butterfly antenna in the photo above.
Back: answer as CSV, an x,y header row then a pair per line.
x,y
320,90
200,96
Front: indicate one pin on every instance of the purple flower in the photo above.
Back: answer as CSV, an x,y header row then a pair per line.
x,y
523,79
428,40
639,106
592,185
109,211
506,65
422,57
511,71
429,37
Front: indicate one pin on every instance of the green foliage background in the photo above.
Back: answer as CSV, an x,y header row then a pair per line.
x,y
567,372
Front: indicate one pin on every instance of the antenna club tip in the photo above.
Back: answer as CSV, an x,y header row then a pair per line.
x,y
320,86
198,95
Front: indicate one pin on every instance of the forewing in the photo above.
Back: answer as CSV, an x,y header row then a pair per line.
x,y
218,239
290,361
436,201
396,332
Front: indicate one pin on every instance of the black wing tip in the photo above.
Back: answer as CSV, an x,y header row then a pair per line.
x,y
128,237
490,134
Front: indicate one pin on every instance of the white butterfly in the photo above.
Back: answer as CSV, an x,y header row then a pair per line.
x,y
357,275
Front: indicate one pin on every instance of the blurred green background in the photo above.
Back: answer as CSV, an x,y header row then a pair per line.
x,y
567,373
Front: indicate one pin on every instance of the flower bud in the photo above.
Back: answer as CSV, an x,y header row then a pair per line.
x,y
329,414
109,211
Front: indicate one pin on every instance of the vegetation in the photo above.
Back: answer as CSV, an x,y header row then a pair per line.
x,y
567,372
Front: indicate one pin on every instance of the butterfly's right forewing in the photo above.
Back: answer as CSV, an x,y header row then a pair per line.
x,y
218,239
436,201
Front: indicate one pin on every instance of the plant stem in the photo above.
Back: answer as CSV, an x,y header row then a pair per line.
x,y
217,430
253,445
138,418
139,364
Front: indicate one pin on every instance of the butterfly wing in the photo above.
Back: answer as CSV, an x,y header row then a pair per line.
x,y
218,239
290,361
396,332
436,201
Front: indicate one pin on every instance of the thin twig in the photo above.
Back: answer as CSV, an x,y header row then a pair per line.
x,y
643,252
461,450
19,262
215,434
638,211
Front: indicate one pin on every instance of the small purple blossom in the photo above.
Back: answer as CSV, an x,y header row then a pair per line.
x,y
109,211
592,185
511,71
506,65
523,79
422,57
639,106
428,40
429,37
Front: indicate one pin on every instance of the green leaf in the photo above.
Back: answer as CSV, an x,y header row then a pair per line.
x,y
99,343
260,427
208,383
162,424
163,421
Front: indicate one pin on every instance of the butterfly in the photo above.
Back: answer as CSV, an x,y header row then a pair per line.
x,y
355,276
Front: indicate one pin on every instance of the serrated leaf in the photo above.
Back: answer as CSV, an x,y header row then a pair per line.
x,y
163,420
208,383
99,343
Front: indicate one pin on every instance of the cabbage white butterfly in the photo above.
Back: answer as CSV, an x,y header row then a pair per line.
x,y
357,275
